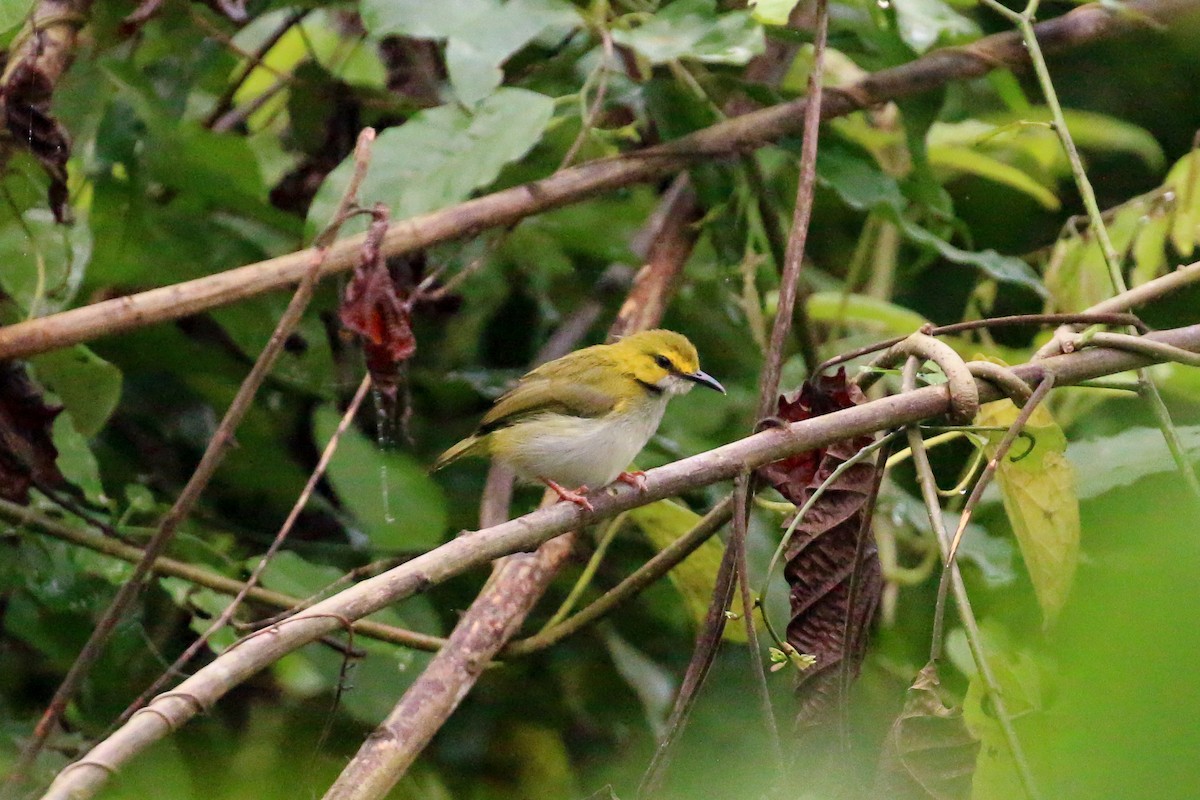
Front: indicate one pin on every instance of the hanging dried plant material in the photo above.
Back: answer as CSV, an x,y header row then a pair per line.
x,y
929,754
25,97
27,453
378,310
824,554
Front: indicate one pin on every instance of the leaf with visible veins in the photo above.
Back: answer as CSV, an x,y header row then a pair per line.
x,y
821,556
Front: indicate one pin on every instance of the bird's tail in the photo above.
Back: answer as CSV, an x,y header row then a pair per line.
x,y
472,445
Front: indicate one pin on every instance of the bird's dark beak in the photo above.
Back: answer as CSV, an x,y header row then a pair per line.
x,y
704,379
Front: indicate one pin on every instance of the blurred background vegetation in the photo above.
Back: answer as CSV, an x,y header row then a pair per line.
x,y
187,159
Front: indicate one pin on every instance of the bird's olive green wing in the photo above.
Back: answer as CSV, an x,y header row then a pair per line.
x,y
538,396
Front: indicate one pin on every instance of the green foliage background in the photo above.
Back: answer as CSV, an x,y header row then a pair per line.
x,y
949,210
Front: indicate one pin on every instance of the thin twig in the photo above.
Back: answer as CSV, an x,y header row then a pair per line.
x,y
227,614
928,485
169,567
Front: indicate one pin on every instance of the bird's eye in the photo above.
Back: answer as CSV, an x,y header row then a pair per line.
x,y
663,361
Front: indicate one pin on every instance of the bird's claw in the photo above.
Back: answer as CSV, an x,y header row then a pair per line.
x,y
635,478
577,497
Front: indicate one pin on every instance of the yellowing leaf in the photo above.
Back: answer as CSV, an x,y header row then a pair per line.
x,y
1038,489
664,522
1184,181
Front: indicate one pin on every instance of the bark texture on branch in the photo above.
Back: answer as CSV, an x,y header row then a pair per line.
x,y
738,135
169,711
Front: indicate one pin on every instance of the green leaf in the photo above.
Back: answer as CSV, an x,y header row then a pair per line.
x,y
75,459
1007,269
13,13
692,29
1040,501
481,34
864,187
973,162
772,12
924,23
44,262
388,492
879,316
442,155
1092,131
664,522
86,384
1121,459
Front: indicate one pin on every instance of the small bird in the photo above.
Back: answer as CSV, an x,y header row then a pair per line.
x,y
581,419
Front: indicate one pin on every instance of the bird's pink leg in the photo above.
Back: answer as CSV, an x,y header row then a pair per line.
x,y
636,479
577,497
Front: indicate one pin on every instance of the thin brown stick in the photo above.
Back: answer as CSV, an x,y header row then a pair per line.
x,y
226,615
252,61
737,135
220,443
645,576
168,712
169,567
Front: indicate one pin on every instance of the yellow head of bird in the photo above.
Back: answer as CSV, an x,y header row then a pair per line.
x,y
664,361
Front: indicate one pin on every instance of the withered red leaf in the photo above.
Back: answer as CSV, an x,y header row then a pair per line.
x,y
27,453
25,96
928,754
378,309
823,555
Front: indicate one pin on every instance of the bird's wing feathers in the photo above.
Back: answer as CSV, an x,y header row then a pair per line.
x,y
534,396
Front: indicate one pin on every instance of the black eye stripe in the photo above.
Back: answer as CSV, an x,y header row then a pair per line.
x,y
662,361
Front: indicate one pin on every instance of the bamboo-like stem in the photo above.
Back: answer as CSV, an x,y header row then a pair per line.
x,y
169,711
737,135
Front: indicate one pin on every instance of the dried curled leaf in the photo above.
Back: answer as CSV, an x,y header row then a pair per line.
x,y
823,555
929,754
1039,495
378,309
25,96
27,453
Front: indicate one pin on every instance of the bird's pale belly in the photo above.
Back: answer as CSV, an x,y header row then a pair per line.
x,y
575,451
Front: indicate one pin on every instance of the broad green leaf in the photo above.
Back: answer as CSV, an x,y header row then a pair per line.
x,y
1040,501
388,492
1184,182
692,29
1092,131
1022,681
877,315
1122,459
75,459
442,155
772,12
664,522
864,187
1006,269
13,13
481,34
86,384
973,162
924,23
44,262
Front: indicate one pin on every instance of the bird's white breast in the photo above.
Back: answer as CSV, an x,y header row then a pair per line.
x,y
577,451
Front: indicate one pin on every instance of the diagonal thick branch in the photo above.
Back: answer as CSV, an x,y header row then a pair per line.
x,y
169,711
742,134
